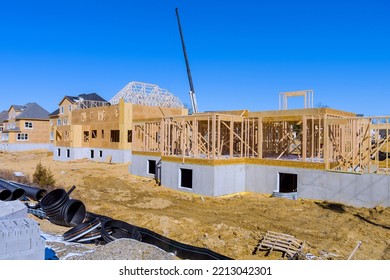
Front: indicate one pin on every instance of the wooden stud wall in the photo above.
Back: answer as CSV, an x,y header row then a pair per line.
x,y
359,145
340,142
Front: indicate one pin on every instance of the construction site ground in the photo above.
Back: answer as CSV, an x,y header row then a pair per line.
x,y
231,225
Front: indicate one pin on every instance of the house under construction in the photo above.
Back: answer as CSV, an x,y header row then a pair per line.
x,y
88,126
317,153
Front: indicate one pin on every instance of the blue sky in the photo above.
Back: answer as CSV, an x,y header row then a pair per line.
x,y
242,53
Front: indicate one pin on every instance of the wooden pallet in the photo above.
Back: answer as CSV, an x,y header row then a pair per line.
x,y
285,243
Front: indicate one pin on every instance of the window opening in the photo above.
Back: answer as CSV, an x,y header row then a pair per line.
x,y
186,178
287,182
152,167
115,135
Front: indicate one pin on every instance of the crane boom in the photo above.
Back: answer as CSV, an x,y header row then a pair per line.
x,y
192,90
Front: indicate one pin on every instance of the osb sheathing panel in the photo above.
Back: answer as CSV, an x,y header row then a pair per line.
x,y
107,116
241,113
207,117
62,136
287,163
301,112
102,120
141,112
155,154
76,131
230,161
201,161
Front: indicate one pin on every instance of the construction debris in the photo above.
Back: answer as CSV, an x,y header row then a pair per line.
x,y
93,228
354,250
285,243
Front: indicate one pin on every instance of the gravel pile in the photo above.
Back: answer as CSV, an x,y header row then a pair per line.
x,y
126,249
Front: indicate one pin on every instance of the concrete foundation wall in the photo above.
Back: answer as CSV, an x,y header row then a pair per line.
x,y
203,177
99,155
360,190
21,147
229,179
207,180
140,165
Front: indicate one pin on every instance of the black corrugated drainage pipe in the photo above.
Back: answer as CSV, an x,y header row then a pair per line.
x,y
181,250
62,210
31,192
82,230
17,193
5,194
52,202
120,229
71,214
114,229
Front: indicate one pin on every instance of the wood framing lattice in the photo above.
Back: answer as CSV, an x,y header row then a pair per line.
x,y
148,95
339,142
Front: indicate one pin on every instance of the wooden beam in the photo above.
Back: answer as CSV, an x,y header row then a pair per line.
x,y
231,137
304,138
219,147
260,137
213,135
326,144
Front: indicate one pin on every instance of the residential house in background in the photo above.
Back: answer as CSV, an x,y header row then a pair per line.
x,y
53,116
26,128
3,117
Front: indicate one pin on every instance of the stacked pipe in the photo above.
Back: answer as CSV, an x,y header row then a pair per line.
x,y
61,209
19,191
5,194
13,193
31,192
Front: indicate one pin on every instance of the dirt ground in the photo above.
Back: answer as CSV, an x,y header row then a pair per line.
x,y
231,225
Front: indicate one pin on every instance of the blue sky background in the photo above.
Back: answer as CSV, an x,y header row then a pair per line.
x,y
242,53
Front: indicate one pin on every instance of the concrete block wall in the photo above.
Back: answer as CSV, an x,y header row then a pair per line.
x,y
20,237
12,210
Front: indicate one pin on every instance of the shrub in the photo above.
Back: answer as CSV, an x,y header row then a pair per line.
x,y
43,177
